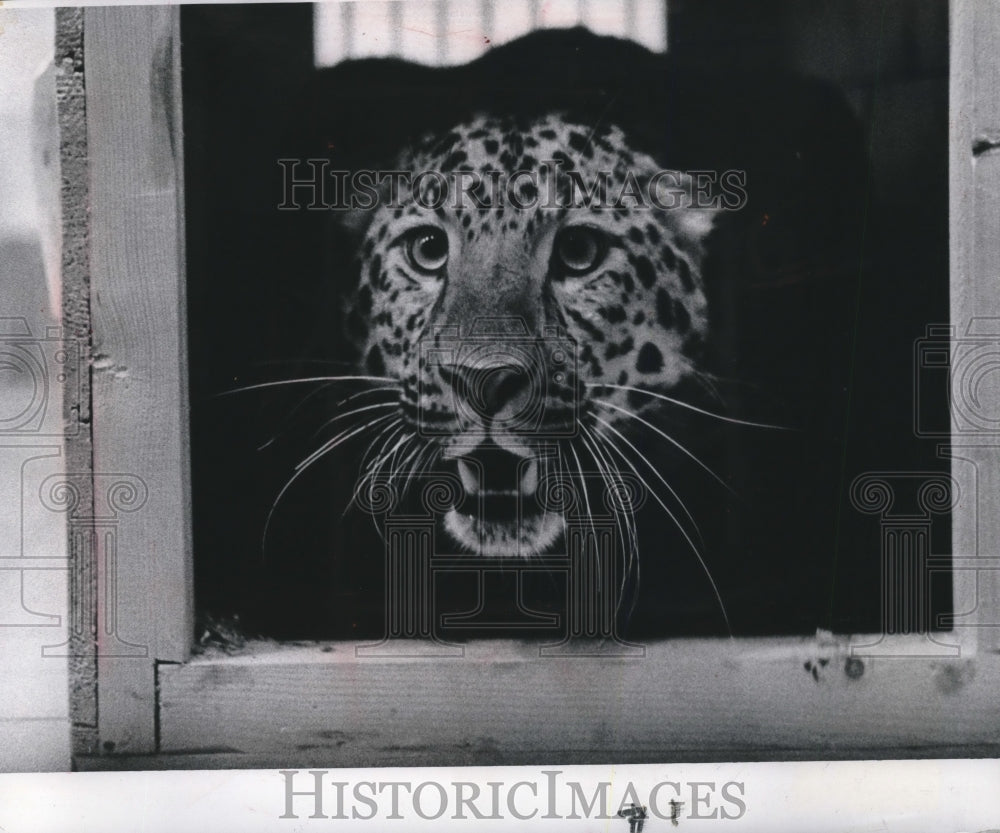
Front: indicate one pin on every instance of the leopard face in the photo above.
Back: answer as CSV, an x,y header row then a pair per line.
x,y
508,338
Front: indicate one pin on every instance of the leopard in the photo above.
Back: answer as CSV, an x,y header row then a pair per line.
x,y
516,335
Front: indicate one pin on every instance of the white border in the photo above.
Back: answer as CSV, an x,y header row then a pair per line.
x,y
844,797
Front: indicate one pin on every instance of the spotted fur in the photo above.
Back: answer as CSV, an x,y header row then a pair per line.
x,y
638,318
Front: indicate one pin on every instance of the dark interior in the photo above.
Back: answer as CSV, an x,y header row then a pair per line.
x,y
820,288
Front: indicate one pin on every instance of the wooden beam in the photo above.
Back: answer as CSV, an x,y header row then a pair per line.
x,y
75,201
502,703
139,381
974,232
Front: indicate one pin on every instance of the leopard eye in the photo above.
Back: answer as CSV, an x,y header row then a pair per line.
x,y
579,249
427,249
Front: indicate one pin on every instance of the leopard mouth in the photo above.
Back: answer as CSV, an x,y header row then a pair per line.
x,y
499,513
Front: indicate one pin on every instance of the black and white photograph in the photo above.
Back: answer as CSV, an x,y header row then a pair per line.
x,y
570,414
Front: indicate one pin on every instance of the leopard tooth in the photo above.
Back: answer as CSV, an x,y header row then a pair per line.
x,y
469,476
529,480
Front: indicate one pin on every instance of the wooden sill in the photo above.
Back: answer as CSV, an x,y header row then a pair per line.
x,y
685,700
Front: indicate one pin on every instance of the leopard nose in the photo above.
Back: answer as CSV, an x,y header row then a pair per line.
x,y
488,390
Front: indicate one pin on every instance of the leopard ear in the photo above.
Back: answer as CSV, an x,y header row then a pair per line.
x,y
693,225
355,216
359,197
694,219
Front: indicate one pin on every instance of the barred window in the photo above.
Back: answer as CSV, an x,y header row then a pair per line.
x,y
444,32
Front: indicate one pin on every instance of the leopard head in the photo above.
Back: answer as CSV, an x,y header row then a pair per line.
x,y
512,295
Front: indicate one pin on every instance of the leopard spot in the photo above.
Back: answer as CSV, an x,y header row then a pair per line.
x,y
445,144
665,309
684,271
578,142
454,160
613,315
594,332
644,271
682,316
564,160
650,359
375,270
621,349
587,357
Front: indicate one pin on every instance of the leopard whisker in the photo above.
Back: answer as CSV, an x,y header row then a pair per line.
x,y
370,461
402,458
689,406
386,454
301,361
601,472
586,497
631,555
338,416
375,468
379,464
561,468
652,468
668,438
408,465
691,543
288,416
420,466
708,382
301,403
305,380
386,388
627,533
323,448
301,468
381,457
633,565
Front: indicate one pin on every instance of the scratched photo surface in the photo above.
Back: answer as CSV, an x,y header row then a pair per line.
x,y
476,398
